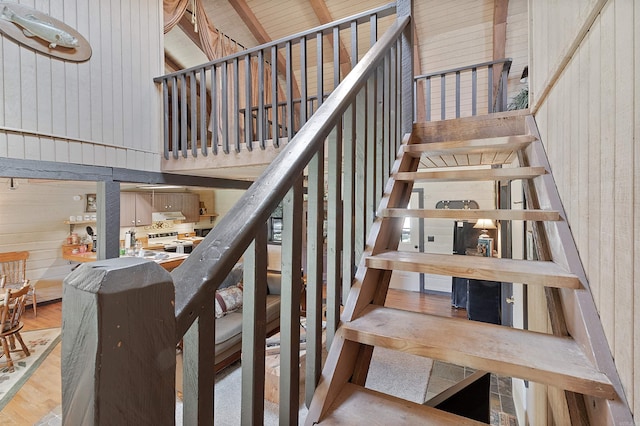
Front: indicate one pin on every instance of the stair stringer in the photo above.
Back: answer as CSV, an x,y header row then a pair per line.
x,y
580,312
369,286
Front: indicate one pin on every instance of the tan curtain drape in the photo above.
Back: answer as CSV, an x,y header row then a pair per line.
x,y
173,11
215,45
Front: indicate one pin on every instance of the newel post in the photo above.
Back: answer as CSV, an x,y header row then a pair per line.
x,y
118,344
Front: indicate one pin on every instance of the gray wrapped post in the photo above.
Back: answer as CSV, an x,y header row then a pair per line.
x,y
118,344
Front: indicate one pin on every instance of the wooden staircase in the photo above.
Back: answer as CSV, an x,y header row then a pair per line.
x,y
573,358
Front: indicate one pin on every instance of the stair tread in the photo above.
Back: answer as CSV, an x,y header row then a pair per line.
x,y
472,175
358,405
470,146
474,214
477,267
543,358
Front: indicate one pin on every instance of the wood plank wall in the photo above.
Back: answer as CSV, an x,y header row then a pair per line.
x,y
589,122
455,34
31,219
105,111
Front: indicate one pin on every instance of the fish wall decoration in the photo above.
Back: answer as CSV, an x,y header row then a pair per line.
x,y
43,33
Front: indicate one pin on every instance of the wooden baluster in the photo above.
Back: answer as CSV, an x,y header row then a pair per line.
x,y
315,267
303,81
275,127
254,324
203,111
236,104
198,381
260,121
225,108
290,304
174,117
193,103
165,118
289,78
214,109
184,144
334,209
248,108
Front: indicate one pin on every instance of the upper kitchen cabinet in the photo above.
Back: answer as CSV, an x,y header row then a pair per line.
x,y
135,209
191,207
186,202
167,202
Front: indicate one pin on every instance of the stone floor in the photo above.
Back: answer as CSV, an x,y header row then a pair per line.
x,y
444,375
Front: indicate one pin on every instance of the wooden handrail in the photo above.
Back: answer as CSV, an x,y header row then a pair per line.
x,y
200,274
464,68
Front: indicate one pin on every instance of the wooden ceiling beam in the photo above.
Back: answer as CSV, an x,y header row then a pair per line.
x,y
188,29
324,16
261,35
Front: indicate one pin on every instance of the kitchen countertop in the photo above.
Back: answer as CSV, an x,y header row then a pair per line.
x,y
91,257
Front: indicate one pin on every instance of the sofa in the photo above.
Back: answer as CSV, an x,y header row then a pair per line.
x,y
229,318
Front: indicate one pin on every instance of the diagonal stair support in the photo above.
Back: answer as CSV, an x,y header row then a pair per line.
x,y
584,325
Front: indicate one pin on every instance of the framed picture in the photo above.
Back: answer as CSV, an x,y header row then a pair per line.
x,y
91,203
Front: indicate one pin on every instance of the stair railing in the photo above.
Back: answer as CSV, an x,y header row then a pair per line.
x,y
120,333
454,100
204,106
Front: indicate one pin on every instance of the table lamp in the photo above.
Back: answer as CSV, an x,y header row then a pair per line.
x,y
484,225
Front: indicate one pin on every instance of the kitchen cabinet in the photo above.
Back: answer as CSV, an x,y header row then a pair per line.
x,y
186,202
135,209
167,202
191,207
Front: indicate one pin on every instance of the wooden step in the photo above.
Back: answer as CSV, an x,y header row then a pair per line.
x,y
473,214
356,405
470,146
477,267
472,175
542,358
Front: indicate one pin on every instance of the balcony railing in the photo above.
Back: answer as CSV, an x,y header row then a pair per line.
x,y
466,91
123,317
279,82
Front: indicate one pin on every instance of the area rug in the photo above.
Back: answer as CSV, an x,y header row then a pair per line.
x,y
40,344
403,375
399,374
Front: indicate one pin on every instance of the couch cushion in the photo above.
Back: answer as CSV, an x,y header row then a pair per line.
x,y
228,299
229,327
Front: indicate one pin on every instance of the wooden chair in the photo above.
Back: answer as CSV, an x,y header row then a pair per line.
x,y
10,325
13,266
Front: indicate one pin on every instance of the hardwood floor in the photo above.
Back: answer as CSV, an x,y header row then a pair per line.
x,y
42,392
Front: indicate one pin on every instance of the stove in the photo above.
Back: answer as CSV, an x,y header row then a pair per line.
x,y
170,242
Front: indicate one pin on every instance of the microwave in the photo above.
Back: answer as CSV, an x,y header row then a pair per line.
x,y
202,232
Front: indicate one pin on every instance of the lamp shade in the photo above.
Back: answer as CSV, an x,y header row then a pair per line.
x,y
484,224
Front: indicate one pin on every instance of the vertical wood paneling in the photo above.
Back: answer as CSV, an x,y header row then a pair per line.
x,y
607,163
636,218
95,64
593,156
116,72
623,195
593,268
111,98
